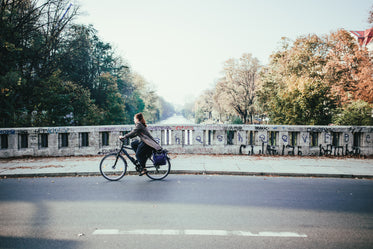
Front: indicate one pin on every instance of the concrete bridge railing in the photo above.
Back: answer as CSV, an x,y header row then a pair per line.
x,y
202,139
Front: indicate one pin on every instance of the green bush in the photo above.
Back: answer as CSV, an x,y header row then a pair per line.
x,y
356,113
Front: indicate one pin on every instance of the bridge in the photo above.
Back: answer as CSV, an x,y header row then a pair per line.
x,y
200,139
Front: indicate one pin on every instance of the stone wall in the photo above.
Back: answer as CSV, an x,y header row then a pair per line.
x,y
203,139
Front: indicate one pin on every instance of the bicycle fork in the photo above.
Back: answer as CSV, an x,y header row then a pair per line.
x,y
115,163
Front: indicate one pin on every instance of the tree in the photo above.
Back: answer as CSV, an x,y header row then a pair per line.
x,y
111,101
204,106
348,69
306,81
370,17
188,110
30,34
356,113
84,57
11,100
62,103
238,86
55,18
43,54
152,106
76,61
166,110
293,89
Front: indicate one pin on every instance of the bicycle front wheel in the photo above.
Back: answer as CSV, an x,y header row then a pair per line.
x,y
113,167
157,172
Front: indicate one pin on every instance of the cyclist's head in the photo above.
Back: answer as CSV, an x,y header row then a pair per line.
x,y
140,118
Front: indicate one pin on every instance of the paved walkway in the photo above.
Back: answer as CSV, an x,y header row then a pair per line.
x,y
199,164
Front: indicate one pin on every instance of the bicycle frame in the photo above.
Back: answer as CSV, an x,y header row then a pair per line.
x,y
133,160
122,149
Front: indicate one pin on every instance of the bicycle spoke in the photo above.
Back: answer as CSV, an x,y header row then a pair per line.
x,y
113,167
157,172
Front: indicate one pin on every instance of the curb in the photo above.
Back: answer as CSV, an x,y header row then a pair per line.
x,y
194,172
271,174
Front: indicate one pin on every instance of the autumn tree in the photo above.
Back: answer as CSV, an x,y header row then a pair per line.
x,y
221,111
238,86
204,106
306,81
293,89
348,69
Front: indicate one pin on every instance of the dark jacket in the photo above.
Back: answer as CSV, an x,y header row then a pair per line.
x,y
145,136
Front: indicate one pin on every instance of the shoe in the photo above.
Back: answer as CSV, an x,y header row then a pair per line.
x,y
143,172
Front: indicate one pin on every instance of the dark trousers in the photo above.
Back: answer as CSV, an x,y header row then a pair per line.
x,y
143,151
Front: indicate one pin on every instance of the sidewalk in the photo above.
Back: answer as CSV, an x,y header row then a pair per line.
x,y
199,164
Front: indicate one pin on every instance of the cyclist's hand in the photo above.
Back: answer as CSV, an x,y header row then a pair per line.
x,y
121,138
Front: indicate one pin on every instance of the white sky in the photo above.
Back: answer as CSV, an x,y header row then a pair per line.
x,y
180,46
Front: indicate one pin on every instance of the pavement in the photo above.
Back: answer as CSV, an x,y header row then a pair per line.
x,y
332,167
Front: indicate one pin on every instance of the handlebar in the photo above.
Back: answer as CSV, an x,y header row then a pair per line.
x,y
124,146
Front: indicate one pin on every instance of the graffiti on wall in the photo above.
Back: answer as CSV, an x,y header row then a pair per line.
x,y
261,128
177,140
111,129
240,138
305,138
319,129
263,138
178,128
250,151
7,132
53,130
284,138
199,139
159,128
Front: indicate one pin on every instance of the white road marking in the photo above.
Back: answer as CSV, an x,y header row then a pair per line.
x,y
197,232
207,232
106,232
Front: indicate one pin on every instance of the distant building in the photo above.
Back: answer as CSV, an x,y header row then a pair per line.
x,y
365,38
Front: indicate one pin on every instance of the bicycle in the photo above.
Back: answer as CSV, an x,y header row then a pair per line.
x,y
114,166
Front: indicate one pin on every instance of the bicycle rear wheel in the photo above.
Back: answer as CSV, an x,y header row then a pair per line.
x,y
113,167
157,172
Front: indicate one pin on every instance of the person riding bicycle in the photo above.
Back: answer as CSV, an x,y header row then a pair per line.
x,y
144,148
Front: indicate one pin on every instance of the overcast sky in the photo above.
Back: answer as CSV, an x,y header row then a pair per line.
x,y
180,46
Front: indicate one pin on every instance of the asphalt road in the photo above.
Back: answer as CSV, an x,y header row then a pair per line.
x,y
186,212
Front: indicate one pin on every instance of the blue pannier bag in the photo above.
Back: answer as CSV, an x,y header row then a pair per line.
x,y
160,157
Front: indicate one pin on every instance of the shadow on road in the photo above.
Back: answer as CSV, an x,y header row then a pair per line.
x,y
36,243
345,195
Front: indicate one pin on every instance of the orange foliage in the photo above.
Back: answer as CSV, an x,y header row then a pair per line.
x,y
349,68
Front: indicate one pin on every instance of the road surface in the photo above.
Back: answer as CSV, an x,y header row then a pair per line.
x,y
186,212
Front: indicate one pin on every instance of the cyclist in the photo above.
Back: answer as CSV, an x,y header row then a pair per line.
x,y
145,147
